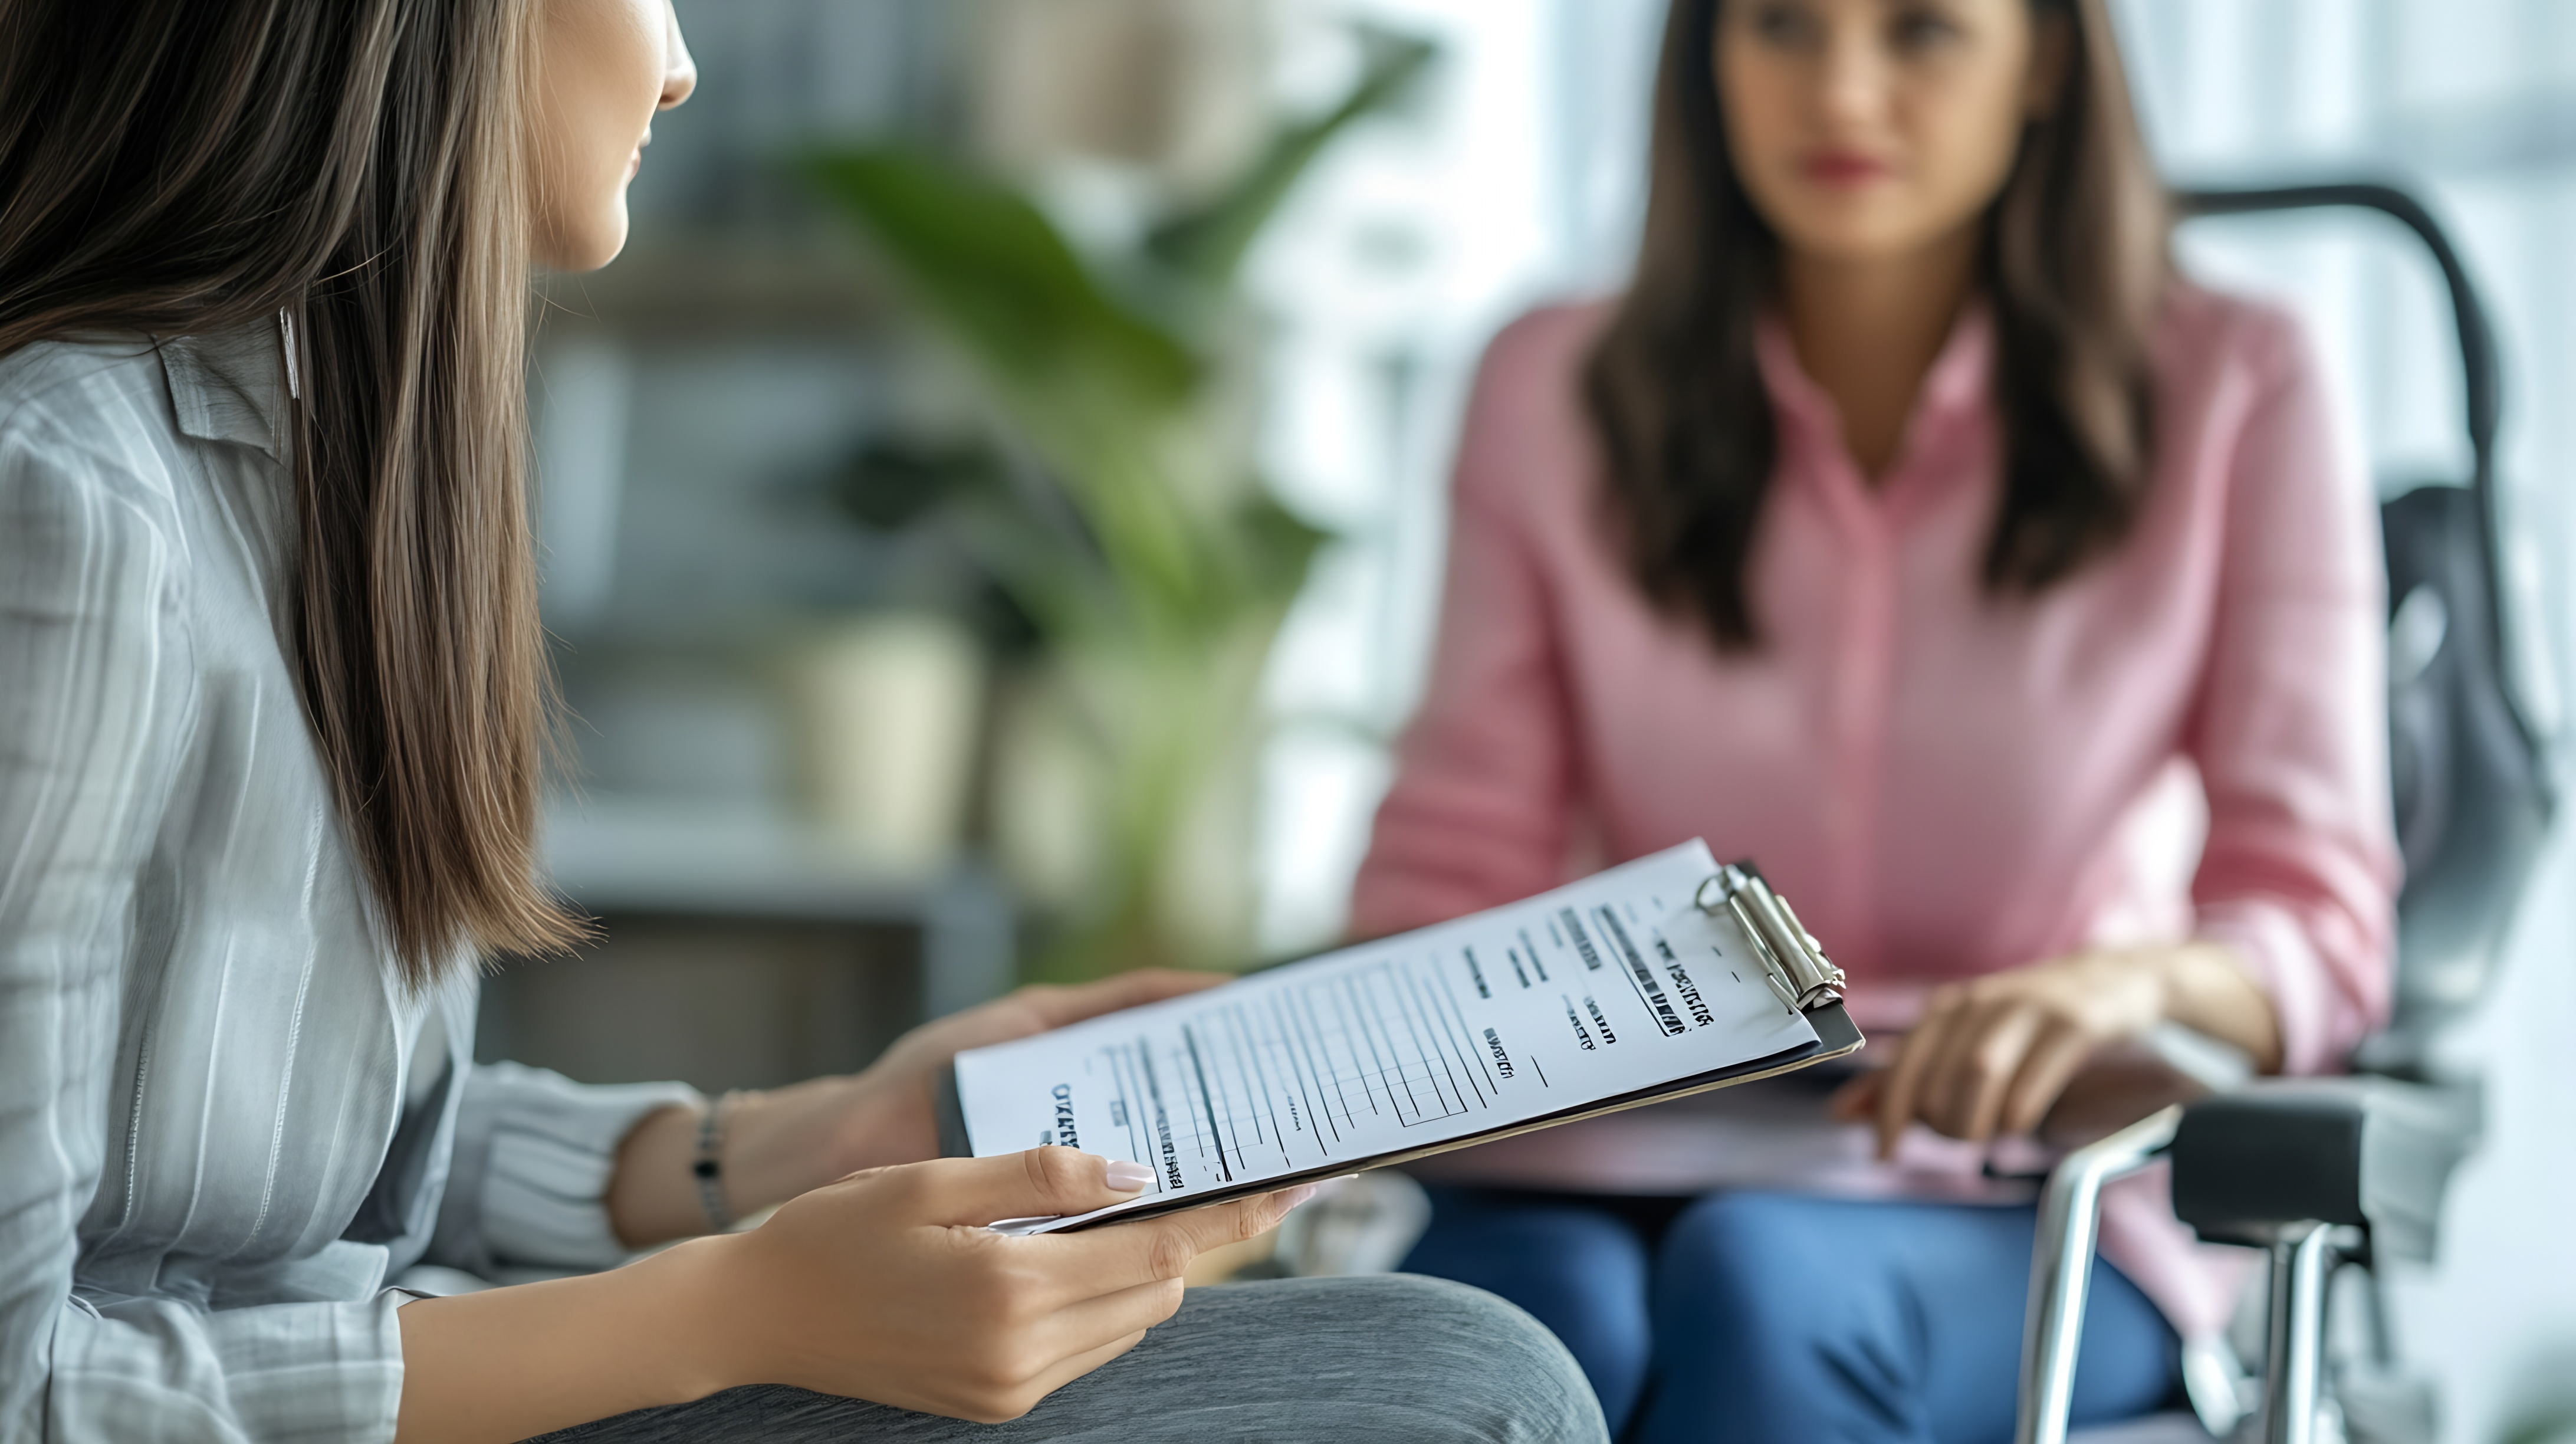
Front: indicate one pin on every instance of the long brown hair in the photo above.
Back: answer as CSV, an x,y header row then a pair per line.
x,y
170,167
2073,264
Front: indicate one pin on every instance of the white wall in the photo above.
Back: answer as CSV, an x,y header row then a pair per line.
x,y
2494,1321
1511,179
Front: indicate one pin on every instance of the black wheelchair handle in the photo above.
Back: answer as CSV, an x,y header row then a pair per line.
x,y
2478,366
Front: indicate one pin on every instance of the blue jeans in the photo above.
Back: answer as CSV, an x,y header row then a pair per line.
x,y
1773,1317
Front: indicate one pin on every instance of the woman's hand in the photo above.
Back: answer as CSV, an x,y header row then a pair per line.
x,y
893,1121
780,1143
884,1286
1991,1056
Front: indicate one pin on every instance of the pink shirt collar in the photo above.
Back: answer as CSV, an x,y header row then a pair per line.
x,y
1955,401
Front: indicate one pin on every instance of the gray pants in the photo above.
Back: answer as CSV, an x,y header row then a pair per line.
x,y
1350,1361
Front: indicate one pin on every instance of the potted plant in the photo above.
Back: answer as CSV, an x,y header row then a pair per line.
x,y
1121,516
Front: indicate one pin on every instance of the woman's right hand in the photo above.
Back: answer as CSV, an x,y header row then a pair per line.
x,y
886,1286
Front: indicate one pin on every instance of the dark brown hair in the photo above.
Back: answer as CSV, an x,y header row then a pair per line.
x,y
2073,264
170,167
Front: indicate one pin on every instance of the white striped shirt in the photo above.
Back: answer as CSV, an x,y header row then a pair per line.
x,y
215,1144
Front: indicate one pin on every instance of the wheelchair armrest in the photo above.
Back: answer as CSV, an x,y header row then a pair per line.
x,y
2367,1152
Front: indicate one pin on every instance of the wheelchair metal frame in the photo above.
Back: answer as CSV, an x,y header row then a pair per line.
x,y
2061,1269
2304,1254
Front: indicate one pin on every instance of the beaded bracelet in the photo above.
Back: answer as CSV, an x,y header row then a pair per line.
x,y
709,1166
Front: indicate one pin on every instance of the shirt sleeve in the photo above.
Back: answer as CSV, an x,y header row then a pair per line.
x,y
95,693
1480,812
2300,870
527,1186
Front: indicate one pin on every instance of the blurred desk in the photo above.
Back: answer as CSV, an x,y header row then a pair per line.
x,y
740,950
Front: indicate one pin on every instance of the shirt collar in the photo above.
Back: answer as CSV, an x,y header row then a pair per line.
x,y
1958,387
231,386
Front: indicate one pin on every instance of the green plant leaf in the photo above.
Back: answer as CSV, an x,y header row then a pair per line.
x,y
1282,547
1208,244
990,267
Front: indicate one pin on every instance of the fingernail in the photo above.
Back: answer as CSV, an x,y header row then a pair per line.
x,y
1300,1194
1128,1177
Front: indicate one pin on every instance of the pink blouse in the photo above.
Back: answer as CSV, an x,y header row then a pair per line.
x,y
1941,780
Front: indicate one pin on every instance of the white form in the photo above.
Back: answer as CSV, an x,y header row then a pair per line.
x,y
1595,991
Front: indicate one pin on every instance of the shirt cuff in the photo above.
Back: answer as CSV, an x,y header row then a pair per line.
x,y
2283,963
534,1155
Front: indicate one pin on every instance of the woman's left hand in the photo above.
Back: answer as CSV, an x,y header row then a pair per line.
x,y
892,1120
1992,1055
783,1142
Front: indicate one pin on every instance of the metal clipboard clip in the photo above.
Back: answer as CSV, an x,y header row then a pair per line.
x,y
1792,962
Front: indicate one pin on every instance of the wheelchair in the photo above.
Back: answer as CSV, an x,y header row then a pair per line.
x,y
2332,1173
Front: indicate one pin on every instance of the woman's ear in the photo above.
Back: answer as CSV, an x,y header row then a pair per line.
x,y
2052,56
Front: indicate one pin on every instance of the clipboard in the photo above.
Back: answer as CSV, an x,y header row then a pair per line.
x,y
1794,968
